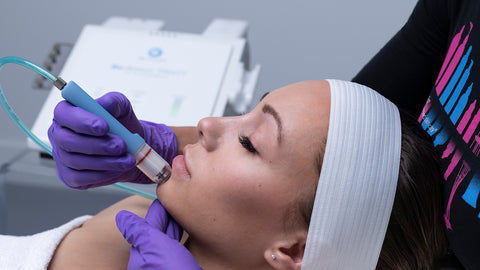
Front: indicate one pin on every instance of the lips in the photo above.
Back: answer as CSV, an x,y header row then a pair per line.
x,y
179,167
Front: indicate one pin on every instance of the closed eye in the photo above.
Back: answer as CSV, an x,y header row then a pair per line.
x,y
245,142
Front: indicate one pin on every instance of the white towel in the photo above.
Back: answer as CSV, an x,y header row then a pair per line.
x,y
34,251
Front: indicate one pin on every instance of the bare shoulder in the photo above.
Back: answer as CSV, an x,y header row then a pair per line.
x,y
134,204
98,244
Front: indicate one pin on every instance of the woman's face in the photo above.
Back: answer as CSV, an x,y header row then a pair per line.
x,y
241,178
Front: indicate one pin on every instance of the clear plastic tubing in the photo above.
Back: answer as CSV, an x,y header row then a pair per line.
x,y
148,161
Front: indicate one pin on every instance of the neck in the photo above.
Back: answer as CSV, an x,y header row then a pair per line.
x,y
219,258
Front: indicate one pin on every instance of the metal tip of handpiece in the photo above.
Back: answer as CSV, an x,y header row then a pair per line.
x,y
59,83
164,175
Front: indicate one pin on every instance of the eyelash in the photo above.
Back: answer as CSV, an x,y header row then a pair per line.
x,y
245,142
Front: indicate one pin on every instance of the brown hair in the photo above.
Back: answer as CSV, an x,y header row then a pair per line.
x,y
415,237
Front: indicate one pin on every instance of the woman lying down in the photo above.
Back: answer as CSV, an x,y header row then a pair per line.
x,y
320,175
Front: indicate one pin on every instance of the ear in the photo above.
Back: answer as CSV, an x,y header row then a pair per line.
x,y
287,253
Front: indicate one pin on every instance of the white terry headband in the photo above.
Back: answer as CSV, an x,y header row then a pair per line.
x,y
357,182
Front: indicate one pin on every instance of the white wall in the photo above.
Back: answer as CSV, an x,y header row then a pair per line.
x,y
292,40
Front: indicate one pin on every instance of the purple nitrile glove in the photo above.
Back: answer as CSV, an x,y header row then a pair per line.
x,y
88,156
155,240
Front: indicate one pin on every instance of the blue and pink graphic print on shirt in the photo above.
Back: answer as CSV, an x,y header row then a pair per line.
x,y
452,116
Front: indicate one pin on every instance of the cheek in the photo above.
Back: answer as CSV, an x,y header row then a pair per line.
x,y
243,191
226,190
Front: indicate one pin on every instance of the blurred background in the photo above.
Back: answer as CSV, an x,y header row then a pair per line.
x,y
291,40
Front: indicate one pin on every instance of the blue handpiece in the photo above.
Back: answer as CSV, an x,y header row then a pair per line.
x,y
78,97
148,161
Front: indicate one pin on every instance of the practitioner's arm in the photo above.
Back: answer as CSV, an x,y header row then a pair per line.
x,y
185,135
405,69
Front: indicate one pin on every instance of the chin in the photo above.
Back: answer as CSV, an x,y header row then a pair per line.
x,y
161,191
167,195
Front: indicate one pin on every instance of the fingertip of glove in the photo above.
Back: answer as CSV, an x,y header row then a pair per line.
x,y
121,216
116,145
156,211
99,127
114,102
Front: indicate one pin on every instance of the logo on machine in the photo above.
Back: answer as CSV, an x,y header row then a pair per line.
x,y
155,52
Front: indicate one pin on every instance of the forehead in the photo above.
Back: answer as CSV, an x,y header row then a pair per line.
x,y
304,109
302,103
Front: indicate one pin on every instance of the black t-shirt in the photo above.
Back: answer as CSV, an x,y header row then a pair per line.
x,y
432,68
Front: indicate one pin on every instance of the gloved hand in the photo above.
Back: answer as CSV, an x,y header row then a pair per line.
x,y
88,156
155,240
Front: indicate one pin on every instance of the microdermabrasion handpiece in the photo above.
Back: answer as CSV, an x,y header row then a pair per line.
x,y
148,161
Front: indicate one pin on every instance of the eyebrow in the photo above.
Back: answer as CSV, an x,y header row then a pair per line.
x,y
270,110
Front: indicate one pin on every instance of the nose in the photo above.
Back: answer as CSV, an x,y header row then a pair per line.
x,y
210,131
